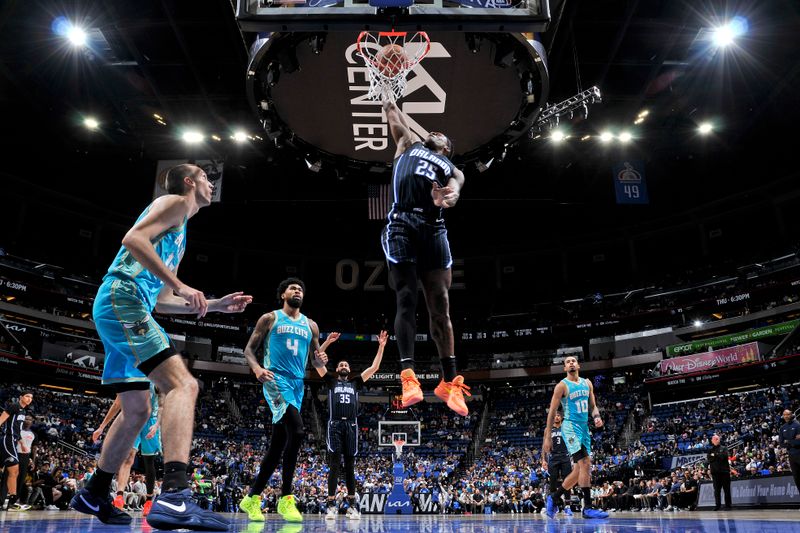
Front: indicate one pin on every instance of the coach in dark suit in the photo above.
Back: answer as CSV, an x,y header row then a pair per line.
x,y
790,439
720,471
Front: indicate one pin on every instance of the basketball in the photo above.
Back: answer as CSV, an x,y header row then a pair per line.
x,y
392,59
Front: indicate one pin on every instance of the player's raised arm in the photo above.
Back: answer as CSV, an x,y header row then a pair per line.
x,y
401,133
558,393
376,363
314,348
255,344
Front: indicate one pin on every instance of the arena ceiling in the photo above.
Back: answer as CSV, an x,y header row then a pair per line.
x,y
185,62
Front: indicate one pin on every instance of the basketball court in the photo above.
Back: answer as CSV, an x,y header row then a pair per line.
x,y
734,521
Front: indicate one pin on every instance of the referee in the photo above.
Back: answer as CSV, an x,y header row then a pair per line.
x,y
559,466
790,439
342,436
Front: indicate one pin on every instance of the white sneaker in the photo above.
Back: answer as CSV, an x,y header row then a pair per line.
x,y
51,508
331,512
353,514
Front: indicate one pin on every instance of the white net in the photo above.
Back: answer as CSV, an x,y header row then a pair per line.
x,y
389,57
398,448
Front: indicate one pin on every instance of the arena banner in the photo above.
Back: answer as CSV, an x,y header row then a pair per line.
x,y
629,183
737,338
677,461
212,167
376,503
744,353
764,491
47,368
393,376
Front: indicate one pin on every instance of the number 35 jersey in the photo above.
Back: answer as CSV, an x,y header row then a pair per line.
x,y
414,172
286,346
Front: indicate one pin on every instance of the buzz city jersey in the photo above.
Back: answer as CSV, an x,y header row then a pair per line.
x,y
343,397
169,245
576,403
414,172
286,345
559,451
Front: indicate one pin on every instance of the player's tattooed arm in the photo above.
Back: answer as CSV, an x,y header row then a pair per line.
x,y
376,363
255,345
558,393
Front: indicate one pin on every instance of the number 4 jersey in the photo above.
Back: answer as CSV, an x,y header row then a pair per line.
x,y
286,345
414,172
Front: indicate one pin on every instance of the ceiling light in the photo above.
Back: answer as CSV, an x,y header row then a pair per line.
x,y
193,137
705,128
76,36
216,137
586,137
91,123
239,136
557,136
625,137
643,113
698,323
157,116
606,136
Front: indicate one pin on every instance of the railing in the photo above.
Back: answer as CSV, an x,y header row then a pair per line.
x,y
72,448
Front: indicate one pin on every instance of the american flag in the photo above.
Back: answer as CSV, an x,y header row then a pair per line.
x,y
379,201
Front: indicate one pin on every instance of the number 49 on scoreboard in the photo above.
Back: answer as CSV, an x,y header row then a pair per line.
x,y
629,183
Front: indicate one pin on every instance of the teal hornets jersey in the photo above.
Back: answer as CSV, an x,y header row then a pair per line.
x,y
576,403
169,246
286,345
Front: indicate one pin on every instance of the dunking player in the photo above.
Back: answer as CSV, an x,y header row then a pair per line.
x,y
558,467
11,421
286,337
142,278
342,438
415,243
148,442
576,396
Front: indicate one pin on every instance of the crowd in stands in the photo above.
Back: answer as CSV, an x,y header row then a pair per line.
x,y
504,475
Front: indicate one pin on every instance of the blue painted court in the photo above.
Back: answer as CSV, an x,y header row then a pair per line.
x,y
783,521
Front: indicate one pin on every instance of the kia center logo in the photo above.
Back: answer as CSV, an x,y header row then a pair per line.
x,y
482,96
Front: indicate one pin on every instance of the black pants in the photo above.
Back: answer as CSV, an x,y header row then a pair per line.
x,y
722,482
22,488
794,464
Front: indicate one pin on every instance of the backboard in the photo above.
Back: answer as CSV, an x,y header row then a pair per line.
x,y
401,15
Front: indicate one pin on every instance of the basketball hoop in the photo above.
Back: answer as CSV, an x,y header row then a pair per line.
x,y
398,447
389,57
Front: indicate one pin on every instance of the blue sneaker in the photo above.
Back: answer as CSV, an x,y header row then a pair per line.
x,y
103,508
550,507
568,510
594,513
177,510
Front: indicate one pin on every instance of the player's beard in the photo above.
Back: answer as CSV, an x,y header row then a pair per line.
x,y
294,303
343,373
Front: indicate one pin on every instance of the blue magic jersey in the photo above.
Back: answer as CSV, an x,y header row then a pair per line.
x,y
576,403
286,345
169,246
414,171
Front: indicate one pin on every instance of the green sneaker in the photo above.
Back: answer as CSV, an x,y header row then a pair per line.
x,y
287,508
252,506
